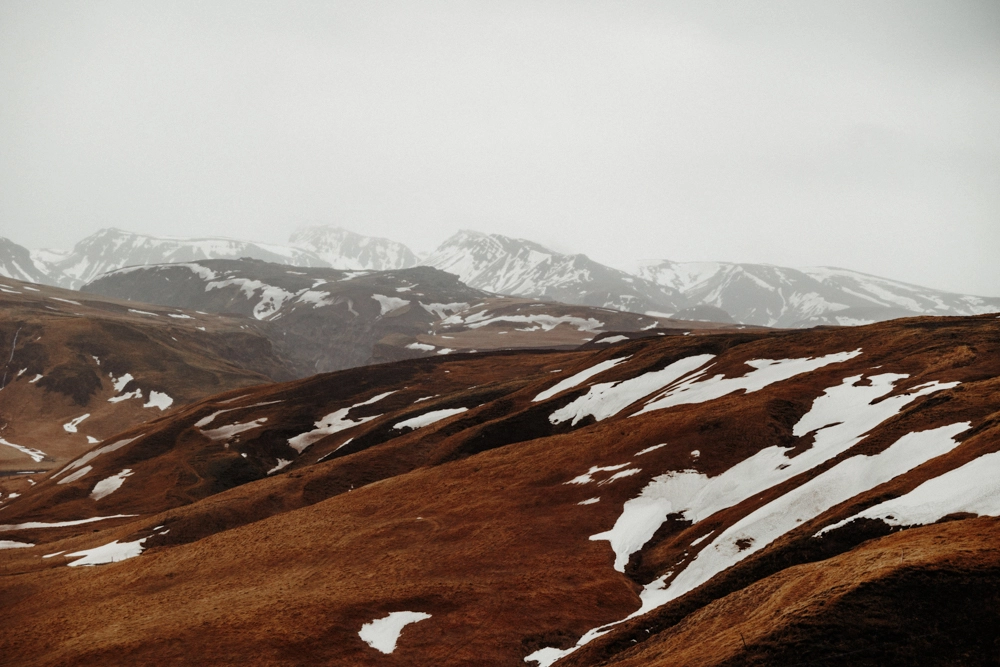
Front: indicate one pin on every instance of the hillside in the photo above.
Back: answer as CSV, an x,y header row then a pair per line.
x,y
78,368
729,498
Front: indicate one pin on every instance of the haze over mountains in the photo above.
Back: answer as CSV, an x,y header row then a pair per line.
x,y
743,293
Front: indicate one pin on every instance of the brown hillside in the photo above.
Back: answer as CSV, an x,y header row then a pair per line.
x,y
720,458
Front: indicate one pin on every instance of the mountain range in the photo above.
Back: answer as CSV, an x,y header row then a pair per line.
x,y
756,294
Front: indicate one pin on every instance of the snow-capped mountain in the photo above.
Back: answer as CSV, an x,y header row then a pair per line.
x,y
16,262
784,297
346,250
758,294
111,249
518,267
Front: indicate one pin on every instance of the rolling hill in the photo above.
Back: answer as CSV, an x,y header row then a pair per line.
x,y
736,497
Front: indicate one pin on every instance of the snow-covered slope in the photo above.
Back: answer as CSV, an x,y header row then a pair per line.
x,y
518,267
885,293
111,249
343,249
784,297
16,262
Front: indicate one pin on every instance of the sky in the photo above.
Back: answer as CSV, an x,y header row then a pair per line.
x,y
864,135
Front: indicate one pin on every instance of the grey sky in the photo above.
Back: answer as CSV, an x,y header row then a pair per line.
x,y
857,134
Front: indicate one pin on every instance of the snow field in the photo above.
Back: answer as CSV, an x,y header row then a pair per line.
x,y
840,417
838,484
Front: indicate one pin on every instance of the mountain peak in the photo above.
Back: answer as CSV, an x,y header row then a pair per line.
x,y
344,249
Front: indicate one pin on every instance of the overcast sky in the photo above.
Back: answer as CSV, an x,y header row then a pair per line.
x,y
857,134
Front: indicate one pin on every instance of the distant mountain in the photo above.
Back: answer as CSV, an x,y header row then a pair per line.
x,y
518,267
111,249
756,294
343,249
16,262
323,319
783,297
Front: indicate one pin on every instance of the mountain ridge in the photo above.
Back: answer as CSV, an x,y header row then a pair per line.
x,y
757,294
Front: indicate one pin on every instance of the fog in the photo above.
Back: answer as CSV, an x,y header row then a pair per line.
x,y
857,134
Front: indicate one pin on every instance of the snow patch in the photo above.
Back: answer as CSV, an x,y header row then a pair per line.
x,y
282,463
11,544
838,484
158,400
94,453
698,388
389,303
109,485
969,488
429,418
108,553
226,432
334,423
606,399
70,427
588,477
36,454
578,378
383,633
60,524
